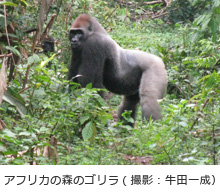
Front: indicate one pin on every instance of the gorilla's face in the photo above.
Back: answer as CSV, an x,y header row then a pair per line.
x,y
76,37
48,46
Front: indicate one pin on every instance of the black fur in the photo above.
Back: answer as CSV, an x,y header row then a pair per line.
x,y
48,44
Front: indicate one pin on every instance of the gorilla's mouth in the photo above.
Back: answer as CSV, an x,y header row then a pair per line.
x,y
75,45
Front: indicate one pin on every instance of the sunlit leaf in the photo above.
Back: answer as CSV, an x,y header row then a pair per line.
x,y
16,100
83,119
89,131
8,4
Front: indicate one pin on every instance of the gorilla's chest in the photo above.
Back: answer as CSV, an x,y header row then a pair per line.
x,y
121,81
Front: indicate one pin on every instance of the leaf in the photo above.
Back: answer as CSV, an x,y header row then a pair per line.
x,y
14,50
16,100
13,36
191,105
24,3
30,60
216,10
9,133
217,17
199,19
206,21
104,118
33,59
44,130
39,93
27,141
2,148
8,4
36,58
216,4
89,131
45,79
214,27
183,124
44,63
152,146
194,37
83,119
89,86
25,133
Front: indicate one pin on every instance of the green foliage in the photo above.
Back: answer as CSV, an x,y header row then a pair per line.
x,y
207,24
83,122
180,11
15,99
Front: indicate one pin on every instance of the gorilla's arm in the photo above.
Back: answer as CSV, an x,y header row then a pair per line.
x,y
88,63
74,65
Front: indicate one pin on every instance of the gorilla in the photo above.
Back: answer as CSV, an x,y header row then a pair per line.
x,y
48,44
98,59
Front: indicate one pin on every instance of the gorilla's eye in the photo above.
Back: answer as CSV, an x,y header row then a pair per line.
x,y
75,33
90,28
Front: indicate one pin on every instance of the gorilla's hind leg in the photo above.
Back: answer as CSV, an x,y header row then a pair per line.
x,y
129,103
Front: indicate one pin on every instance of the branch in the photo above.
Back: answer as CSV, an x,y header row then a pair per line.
x,y
198,115
51,152
160,15
3,80
48,27
25,89
2,125
154,2
6,31
44,9
26,77
31,30
111,13
34,42
6,55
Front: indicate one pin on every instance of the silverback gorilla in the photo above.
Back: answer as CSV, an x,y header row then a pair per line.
x,y
98,59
